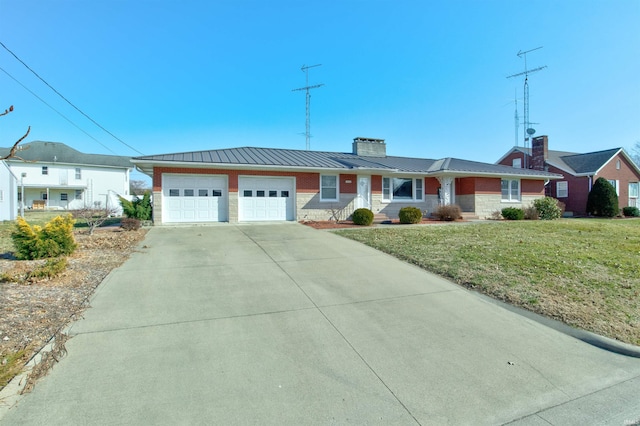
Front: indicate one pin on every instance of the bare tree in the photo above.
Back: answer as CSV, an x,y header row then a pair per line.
x,y
635,153
12,152
138,187
94,217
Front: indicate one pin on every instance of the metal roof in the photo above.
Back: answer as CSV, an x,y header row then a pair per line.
x,y
56,152
284,158
576,163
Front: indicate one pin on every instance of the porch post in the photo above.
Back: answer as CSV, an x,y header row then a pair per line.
x,y
445,184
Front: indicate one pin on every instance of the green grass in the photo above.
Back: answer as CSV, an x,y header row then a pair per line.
x,y
585,272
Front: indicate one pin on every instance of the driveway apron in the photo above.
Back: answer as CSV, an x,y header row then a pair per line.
x,y
283,324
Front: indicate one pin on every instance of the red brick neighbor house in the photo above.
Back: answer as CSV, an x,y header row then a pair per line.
x,y
579,171
265,184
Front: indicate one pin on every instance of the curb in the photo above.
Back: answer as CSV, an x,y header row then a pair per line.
x,y
593,339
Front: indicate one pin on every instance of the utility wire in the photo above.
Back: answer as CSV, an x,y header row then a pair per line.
x,y
58,112
68,101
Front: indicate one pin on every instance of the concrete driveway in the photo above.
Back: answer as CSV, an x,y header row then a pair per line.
x,y
283,324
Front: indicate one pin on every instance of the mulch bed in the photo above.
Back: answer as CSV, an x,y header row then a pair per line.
x,y
33,311
327,224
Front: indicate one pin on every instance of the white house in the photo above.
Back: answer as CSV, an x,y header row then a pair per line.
x,y
52,175
8,193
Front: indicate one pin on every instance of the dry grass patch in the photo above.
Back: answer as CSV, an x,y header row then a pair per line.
x,y
583,272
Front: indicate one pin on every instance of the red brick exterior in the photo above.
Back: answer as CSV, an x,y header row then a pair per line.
x,y
579,186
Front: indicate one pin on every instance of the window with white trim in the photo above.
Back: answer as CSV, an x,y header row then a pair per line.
x,y
78,173
402,189
45,170
562,189
64,197
78,194
329,188
634,189
517,163
616,185
510,189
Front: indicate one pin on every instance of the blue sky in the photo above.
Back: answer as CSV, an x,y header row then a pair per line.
x,y
429,77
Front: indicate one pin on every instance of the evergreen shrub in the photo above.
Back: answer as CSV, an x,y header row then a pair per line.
x,y
138,208
513,213
410,215
603,200
547,208
53,240
631,211
362,217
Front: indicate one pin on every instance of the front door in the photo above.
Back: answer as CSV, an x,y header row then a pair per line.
x,y
364,193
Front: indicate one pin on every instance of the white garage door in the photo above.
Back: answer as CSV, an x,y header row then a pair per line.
x,y
194,198
265,198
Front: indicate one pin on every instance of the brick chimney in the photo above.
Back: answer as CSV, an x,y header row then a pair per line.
x,y
368,147
539,152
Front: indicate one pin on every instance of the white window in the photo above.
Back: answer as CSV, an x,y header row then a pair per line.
x,y
78,194
634,189
78,173
562,189
402,189
328,188
618,165
616,185
510,190
517,163
45,170
64,197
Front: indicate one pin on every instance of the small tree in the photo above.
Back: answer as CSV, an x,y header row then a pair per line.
x,y
603,200
137,208
93,217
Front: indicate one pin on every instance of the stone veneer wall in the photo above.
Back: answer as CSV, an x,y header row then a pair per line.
x,y
486,204
309,207
157,208
466,202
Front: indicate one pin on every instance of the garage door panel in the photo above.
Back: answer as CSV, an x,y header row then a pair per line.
x,y
191,198
265,198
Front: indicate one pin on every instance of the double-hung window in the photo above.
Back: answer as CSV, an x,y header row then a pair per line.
x,y
562,189
402,189
329,188
510,190
78,173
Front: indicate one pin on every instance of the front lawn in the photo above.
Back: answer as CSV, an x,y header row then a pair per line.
x,y
584,272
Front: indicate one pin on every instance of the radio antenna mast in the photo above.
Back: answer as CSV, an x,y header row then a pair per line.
x,y
306,88
528,130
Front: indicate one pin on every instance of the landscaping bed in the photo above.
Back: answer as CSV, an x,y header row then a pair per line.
x,y
33,310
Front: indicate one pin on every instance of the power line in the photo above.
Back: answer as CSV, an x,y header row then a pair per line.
x,y
68,101
58,112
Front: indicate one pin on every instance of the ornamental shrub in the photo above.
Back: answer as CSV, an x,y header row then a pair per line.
x,y
448,213
138,208
410,215
362,217
603,200
530,213
53,240
547,208
631,211
513,213
130,224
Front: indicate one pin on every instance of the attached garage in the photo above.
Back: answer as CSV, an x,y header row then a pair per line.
x,y
194,198
266,198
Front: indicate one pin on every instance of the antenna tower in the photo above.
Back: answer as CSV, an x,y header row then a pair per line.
x,y
528,130
306,88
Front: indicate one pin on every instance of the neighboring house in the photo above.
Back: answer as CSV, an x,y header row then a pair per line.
x,y
580,172
254,184
53,175
8,193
